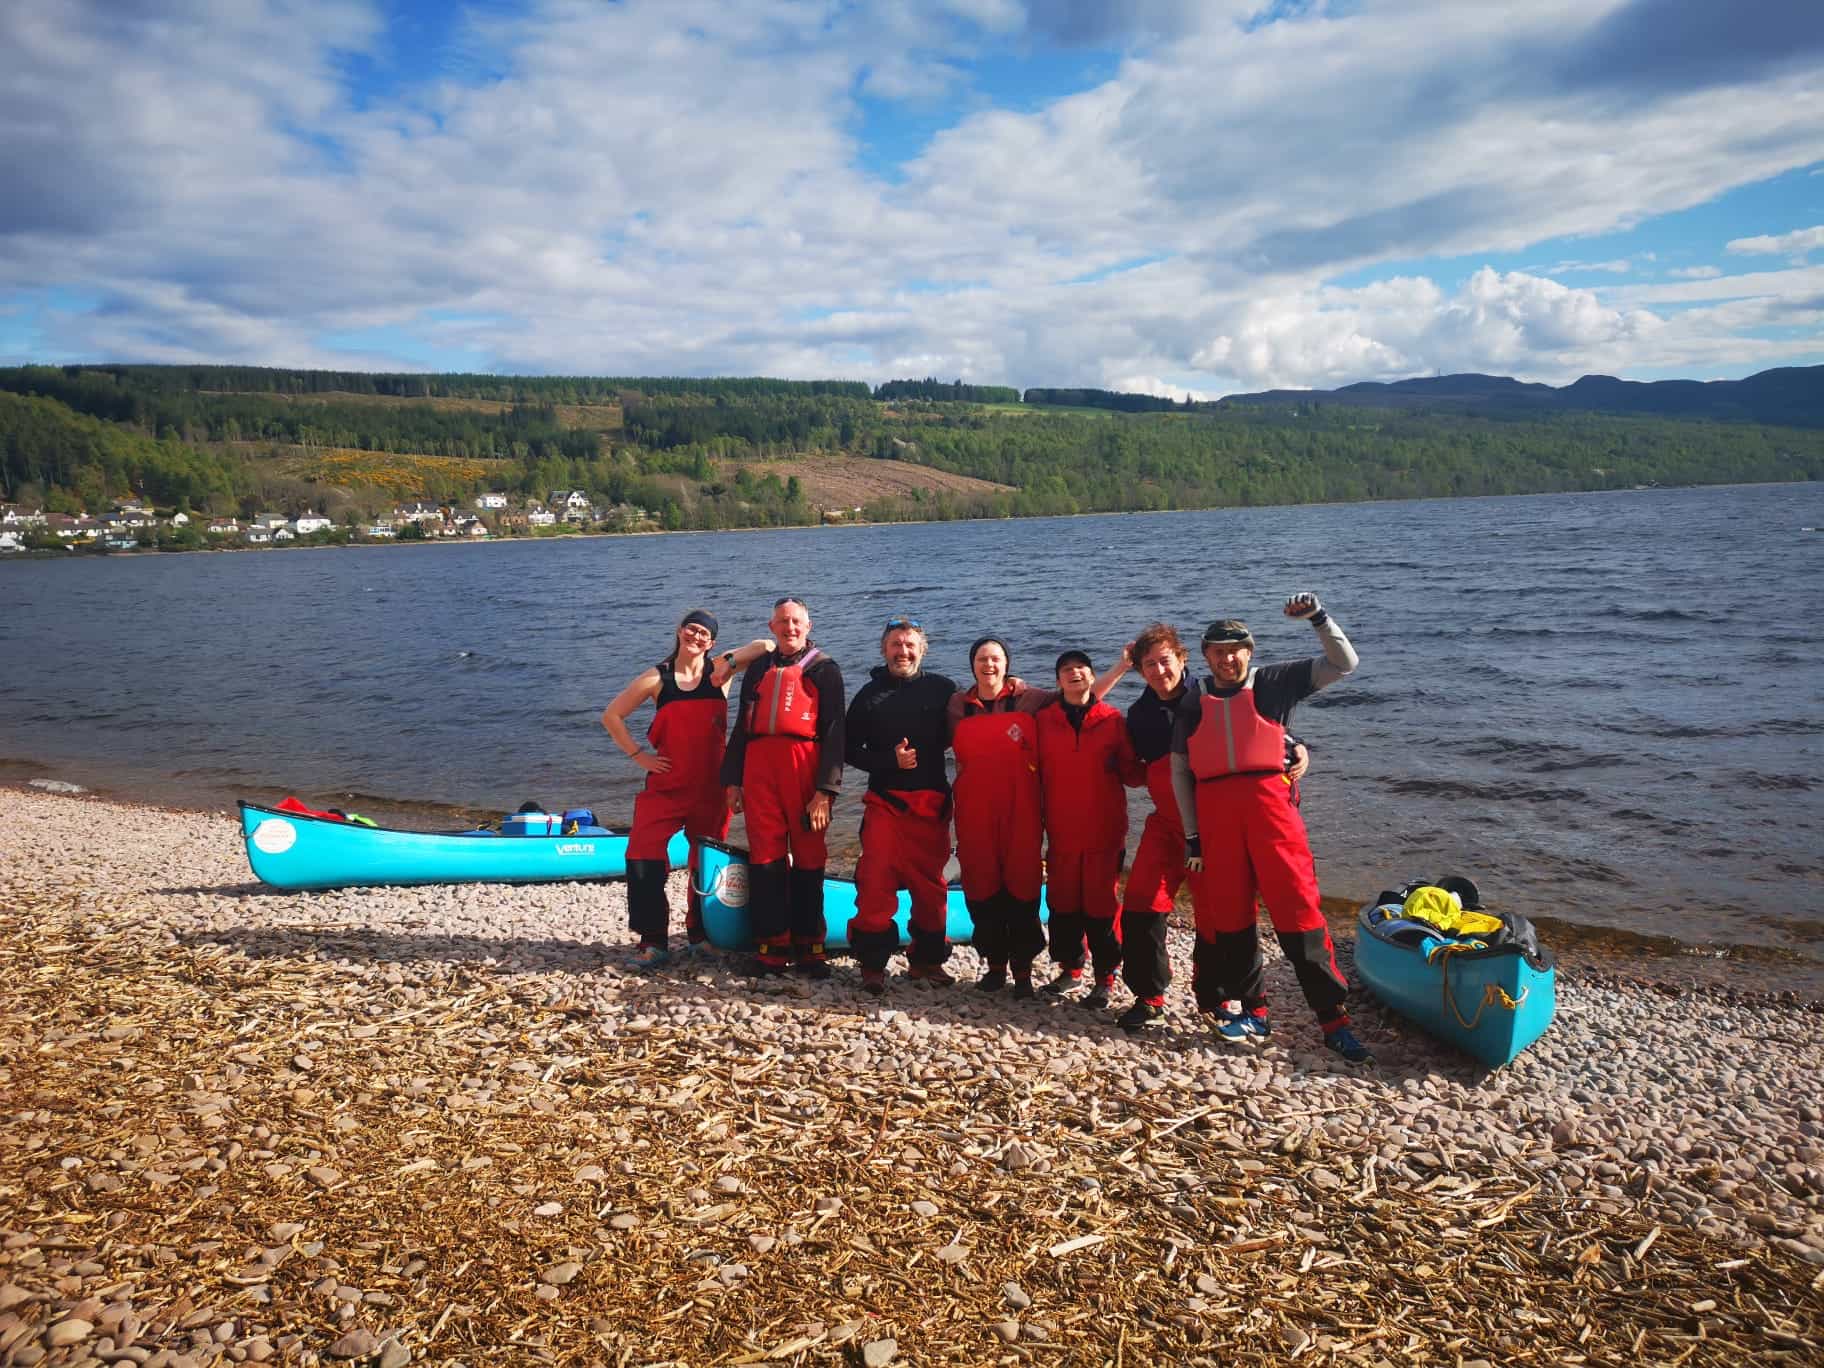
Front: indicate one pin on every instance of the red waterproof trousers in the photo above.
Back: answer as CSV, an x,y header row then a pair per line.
x,y
778,781
1255,847
1157,873
903,846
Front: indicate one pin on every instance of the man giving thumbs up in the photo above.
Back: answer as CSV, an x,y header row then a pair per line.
x,y
895,733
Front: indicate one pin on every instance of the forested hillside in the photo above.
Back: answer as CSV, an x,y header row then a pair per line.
x,y
719,452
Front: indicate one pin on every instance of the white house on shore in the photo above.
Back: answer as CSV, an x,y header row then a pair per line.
x,y
311,522
257,535
418,513
490,500
9,541
379,529
540,517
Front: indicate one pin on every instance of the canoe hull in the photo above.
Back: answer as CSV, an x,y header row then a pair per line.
x,y
722,881
1462,998
291,851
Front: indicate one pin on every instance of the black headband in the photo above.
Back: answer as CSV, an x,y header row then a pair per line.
x,y
701,617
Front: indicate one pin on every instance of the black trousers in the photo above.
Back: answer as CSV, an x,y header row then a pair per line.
x,y
1228,965
1145,968
1007,929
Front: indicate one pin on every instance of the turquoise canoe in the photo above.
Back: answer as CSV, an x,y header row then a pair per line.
x,y
722,883
290,850
1489,1002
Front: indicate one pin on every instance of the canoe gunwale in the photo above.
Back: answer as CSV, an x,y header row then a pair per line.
x,y
336,825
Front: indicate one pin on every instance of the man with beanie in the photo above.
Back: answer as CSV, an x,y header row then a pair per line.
x,y
1244,840
896,734
784,769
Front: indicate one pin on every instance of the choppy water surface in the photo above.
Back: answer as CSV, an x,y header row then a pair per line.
x,y
1603,707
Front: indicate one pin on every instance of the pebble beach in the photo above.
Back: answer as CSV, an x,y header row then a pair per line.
x,y
451,1125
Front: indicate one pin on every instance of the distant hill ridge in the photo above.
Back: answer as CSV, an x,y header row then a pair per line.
x,y
1791,396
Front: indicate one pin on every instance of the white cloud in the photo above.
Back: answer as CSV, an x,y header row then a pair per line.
x,y
1694,272
1797,243
676,187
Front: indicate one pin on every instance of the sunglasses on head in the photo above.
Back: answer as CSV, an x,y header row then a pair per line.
x,y
895,623
789,598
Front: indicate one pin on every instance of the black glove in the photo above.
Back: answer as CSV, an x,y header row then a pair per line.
x,y
1193,853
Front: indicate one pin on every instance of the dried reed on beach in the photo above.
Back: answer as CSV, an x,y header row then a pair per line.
x,y
211,1156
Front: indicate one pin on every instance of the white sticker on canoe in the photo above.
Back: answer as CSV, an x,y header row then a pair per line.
x,y
731,885
275,836
577,848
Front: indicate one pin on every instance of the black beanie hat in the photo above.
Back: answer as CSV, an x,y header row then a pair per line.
x,y
983,641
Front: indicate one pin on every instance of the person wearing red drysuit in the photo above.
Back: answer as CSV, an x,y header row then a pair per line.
x,y
783,767
1157,872
999,816
1084,757
895,733
1228,750
683,761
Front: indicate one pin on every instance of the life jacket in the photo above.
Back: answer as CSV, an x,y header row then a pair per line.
x,y
1233,738
785,703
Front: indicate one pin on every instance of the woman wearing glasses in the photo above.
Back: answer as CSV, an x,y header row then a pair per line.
x,y
682,760
999,816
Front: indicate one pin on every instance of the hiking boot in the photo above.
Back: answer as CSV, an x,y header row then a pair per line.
x,y
1067,981
1142,1016
934,974
649,958
874,982
1342,1041
1242,1029
1096,999
761,966
812,967
992,981
1022,986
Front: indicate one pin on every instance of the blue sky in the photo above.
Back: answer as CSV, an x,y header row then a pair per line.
x,y
1202,196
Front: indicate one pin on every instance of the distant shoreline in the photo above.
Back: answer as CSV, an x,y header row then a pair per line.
x,y
64,552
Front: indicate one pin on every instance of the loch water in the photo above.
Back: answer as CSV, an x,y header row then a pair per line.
x,y
1607,708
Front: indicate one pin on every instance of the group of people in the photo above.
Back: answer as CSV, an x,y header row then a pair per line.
x,y
1038,803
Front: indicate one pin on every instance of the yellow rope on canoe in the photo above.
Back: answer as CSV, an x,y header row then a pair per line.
x,y
1493,994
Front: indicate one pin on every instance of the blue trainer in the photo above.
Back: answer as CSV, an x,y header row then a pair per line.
x,y
1243,1028
1343,1041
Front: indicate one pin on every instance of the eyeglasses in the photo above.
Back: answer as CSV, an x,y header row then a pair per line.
x,y
895,623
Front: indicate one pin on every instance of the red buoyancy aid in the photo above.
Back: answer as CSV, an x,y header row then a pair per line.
x,y
785,703
1233,738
